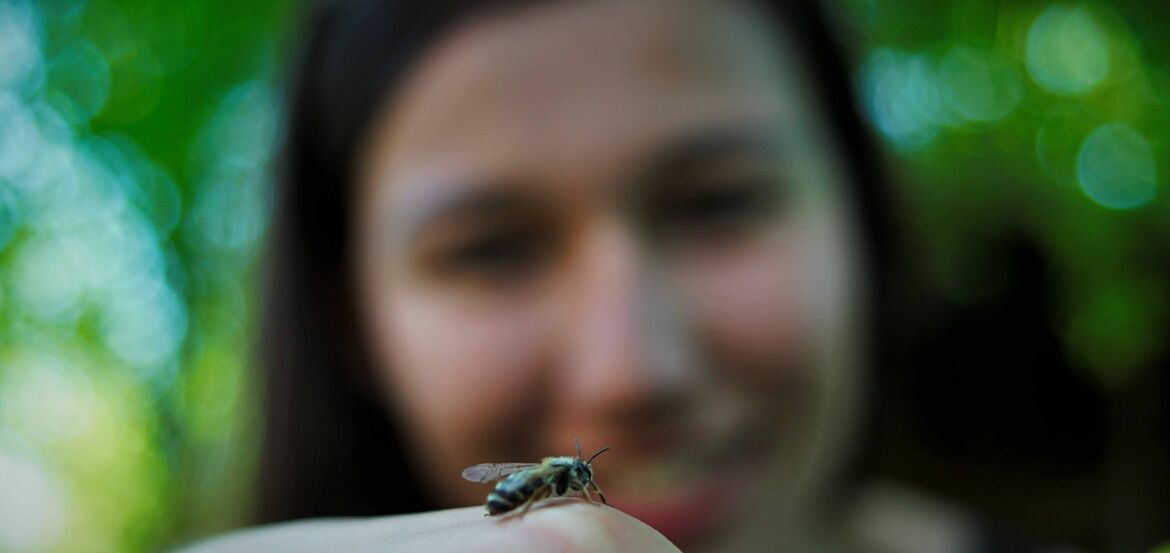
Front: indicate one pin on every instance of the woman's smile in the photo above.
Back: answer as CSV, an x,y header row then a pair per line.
x,y
685,495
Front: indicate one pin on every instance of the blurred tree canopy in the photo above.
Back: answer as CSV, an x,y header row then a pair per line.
x,y
1042,119
136,140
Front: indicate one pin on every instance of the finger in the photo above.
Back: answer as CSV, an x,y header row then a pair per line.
x,y
574,525
556,525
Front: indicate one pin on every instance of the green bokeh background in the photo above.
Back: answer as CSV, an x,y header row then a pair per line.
x,y
136,140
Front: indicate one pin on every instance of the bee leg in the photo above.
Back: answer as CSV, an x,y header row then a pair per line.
x,y
599,492
542,494
587,496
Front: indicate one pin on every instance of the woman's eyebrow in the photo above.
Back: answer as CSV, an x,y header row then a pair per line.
x,y
483,200
708,144
466,201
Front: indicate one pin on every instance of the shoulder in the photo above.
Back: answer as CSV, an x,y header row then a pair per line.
x,y
887,516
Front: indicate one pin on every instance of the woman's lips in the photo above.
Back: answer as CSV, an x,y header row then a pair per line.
x,y
687,496
688,480
690,512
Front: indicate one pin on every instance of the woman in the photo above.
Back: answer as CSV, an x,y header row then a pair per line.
x,y
645,224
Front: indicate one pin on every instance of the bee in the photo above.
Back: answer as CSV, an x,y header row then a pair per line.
x,y
523,484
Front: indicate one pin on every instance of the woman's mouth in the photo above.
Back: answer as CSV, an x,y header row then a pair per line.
x,y
686,497
688,512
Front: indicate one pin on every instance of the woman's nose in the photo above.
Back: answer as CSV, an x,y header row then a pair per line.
x,y
625,344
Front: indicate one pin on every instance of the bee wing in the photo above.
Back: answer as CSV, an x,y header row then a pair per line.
x,y
494,471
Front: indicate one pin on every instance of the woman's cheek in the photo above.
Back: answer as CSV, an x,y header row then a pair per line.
x,y
752,308
462,376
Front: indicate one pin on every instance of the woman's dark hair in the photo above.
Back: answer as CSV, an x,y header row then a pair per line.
x,y
330,447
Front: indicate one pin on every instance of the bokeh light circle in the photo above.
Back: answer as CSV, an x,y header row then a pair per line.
x,y
20,47
1116,167
33,507
977,85
1067,50
902,97
81,77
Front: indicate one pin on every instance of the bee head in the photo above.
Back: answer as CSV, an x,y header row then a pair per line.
x,y
582,471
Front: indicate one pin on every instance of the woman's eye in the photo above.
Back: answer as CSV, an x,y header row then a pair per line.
x,y
500,255
728,207
720,205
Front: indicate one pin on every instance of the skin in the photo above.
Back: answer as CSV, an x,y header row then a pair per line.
x,y
570,527
620,221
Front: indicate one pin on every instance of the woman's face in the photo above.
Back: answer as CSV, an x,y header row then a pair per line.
x,y
624,222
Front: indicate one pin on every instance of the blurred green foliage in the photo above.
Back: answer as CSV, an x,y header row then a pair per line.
x,y
135,141
135,146
1043,120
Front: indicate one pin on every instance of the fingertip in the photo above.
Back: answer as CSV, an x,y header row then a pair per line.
x,y
576,525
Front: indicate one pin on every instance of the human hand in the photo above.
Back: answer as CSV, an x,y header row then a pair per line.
x,y
556,525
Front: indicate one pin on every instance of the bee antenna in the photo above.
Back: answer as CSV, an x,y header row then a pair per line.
x,y
578,442
599,452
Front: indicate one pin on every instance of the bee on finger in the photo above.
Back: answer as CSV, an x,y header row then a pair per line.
x,y
523,484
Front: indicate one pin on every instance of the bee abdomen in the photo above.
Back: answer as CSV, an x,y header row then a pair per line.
x,y
507,496
497,504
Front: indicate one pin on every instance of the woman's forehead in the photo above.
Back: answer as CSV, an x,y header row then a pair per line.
x,y
596,78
